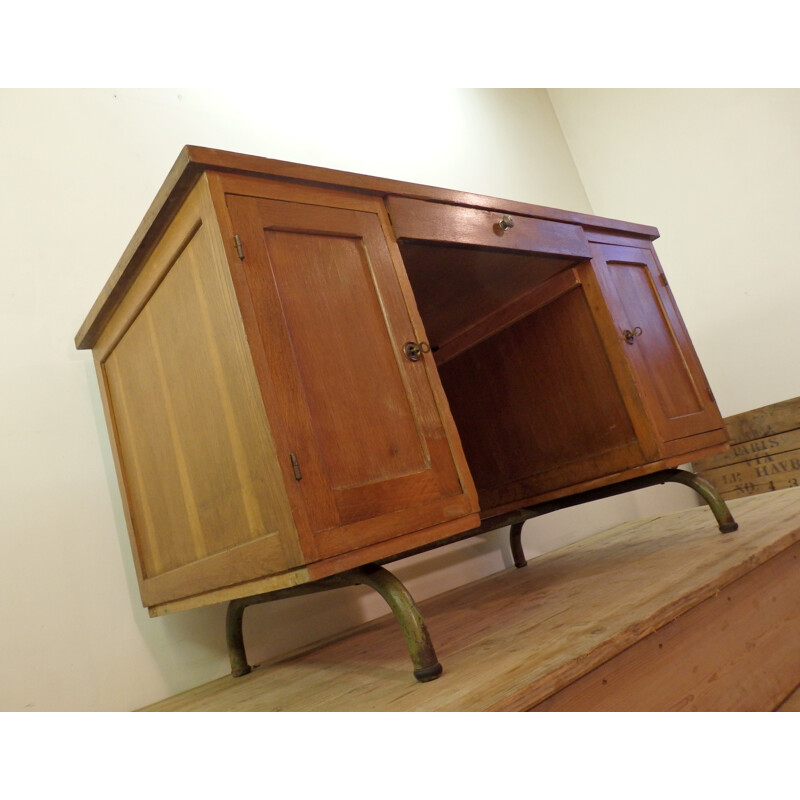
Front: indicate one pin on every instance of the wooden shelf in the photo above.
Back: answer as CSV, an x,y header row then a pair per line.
x,y
657,614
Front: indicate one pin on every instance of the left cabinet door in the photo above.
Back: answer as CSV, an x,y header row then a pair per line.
x,y
366,434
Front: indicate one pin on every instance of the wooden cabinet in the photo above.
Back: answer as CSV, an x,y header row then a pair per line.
x,y
305,371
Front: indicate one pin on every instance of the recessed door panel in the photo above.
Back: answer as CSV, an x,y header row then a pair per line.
x,y
344,354
363,431
652,336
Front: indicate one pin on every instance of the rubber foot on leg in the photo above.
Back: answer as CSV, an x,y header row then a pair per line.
x,y
424,674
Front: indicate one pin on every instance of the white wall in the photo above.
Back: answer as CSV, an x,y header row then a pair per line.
x,y
718,173
78,169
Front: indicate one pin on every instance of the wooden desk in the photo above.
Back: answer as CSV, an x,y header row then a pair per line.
x,y
306,371
660,614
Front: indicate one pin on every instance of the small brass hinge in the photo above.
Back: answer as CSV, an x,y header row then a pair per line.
x,y
237,243
663,279
296,467
711,394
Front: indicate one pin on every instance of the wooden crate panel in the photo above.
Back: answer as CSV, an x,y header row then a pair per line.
x,y
764,454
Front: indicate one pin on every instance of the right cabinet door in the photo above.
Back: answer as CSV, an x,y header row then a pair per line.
x,y
651,334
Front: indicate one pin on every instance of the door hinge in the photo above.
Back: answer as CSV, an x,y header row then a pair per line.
x,y
296,467
711,394
237,243
663,278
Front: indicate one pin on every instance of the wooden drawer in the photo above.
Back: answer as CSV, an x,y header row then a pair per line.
x,y
449,224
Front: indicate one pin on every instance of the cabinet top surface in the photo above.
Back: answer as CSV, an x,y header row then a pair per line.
x,y
193,161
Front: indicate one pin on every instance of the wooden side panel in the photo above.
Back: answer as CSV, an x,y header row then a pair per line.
x,y
663,362
198,465
538,406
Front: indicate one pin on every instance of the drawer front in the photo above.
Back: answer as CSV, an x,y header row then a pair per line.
x,y
437,222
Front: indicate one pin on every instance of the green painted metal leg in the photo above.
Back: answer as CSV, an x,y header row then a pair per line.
x,y
723,516
515,540
721,512
235,639
415,632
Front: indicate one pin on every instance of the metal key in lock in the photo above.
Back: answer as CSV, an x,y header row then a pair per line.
x,y
413,351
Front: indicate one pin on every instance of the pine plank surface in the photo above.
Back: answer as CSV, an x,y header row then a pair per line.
x,y
516,638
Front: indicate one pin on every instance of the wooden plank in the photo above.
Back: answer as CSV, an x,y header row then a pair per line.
x,y
771,445
736,651
516,638
766,473
764,421
764,454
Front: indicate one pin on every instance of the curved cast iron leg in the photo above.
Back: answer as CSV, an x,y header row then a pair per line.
x,y
515,540
415,632
725,520
235,638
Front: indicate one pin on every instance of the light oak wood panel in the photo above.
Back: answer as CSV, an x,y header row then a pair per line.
x,y
516,638
197,462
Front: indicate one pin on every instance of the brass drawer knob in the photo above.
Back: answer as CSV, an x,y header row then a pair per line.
x,y
506,223
629,335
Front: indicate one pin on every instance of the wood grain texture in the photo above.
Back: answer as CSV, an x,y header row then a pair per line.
x,y
764,455
193,161
764,421
525,425
766,473
736,651
451,224
791,703
516,638
457,287
665,367
773,444
198,465
362,420
267,426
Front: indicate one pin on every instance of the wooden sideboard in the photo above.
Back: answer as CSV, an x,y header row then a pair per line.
x,y
305,371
